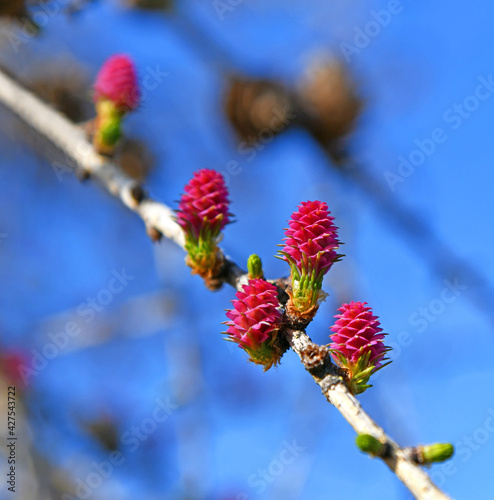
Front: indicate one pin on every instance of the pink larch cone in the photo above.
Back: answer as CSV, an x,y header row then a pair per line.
x,y
202,214
310,250
117,82
203,207
255,321
358,344
116,92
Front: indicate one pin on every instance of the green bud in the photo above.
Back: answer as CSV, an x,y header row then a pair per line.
x,y
108,127
110,131
254,267
369,444
438,452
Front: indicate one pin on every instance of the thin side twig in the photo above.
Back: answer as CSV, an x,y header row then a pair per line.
x,y
71,139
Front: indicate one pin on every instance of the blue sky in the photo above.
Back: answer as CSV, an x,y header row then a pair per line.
x,y
160,337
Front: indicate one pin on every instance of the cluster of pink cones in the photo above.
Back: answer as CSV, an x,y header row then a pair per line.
x,y
310,249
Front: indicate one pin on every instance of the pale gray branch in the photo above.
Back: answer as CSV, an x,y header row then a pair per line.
x,y
327,376
71,139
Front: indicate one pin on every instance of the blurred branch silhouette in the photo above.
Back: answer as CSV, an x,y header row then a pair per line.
x,y
159,221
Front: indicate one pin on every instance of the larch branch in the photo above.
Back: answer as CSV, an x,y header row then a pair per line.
x,y
72,140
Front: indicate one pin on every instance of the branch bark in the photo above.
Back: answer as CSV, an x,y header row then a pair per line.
x,y
327,376
158,217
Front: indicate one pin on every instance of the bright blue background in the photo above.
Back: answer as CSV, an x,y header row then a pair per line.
x,y
160,337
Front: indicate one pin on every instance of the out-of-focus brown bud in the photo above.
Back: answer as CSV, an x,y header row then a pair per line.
x,y
64,84
13,8
328,101
135,159
257,109
16,10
